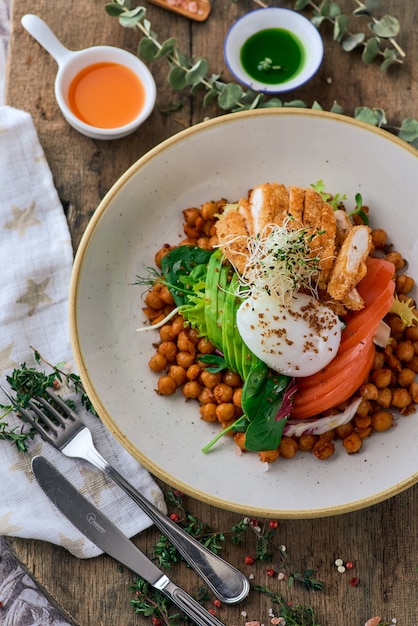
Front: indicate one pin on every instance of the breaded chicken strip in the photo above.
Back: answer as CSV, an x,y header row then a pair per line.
x,y
269,204
350,267
232,235
319,222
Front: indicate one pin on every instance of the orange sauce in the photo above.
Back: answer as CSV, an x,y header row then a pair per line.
x,y
106,95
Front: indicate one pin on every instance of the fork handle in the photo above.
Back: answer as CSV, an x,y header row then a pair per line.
x,y
226,582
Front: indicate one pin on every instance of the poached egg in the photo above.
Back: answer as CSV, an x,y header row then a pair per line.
x,y
298,338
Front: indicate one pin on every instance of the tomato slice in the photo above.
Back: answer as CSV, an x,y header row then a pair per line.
x,y
335,383
347,371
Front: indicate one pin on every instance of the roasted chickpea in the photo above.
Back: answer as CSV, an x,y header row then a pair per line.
x,y
208,210
413,391
344,430
368,391
362,421
225,411
411,333
185,359
207,396
406,377
396,259
364,432
382,420
169,350
154,301
166,333
401,398
177,325
307,442
379,237
223,393
157,363
232,379
404,283
395,324
161,254
184,344
204,243
178,374
190,215
363,408
405,350
288,447
268,456
193,371
205,346
166,296
413,363
208,412
191,389
210,379
384,397
381,377
378,361
352,443
166,386
236,398
323,449
239,439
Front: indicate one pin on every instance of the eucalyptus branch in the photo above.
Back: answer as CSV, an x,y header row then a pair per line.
x,y
383,29
193,74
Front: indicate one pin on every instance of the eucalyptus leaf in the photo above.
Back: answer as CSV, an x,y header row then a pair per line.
x,y
272,103
167,47
409,130
353,41
371,50
366,114
388,26
210,96
130,19
368,8
390,57
337,108
317,20
177,77
197,72
113,9
147,49
325,8
316,106
301,4
340,27
230,96
298,104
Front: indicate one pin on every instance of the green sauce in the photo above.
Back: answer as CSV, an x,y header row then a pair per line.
x,y
272,56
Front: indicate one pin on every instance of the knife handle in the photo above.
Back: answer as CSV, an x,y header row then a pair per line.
x,y
197,613
225,581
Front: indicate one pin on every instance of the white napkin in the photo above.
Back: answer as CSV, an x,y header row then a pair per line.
x,y
35,266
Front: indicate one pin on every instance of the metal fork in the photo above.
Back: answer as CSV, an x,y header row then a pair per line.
x,y
71,436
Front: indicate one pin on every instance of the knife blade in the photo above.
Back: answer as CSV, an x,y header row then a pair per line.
x,y
94,525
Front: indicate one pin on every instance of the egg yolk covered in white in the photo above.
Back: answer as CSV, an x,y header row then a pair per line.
x,y
295,339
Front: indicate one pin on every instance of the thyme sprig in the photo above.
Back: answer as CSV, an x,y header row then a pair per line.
x,y
154,605
192,74
27,382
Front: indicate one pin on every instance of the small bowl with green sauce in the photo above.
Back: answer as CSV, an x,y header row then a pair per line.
x,y
273,50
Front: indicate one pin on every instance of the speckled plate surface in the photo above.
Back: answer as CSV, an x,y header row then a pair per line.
x,y
224,158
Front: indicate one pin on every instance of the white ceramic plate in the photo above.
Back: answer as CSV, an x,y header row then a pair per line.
x,y
224,158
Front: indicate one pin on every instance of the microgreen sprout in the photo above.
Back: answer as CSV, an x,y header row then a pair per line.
x,y
279,262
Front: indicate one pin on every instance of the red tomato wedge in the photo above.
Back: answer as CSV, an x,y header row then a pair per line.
x,y
339,380
376,289
335,383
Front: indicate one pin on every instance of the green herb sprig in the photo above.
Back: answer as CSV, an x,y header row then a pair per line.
x,y
27,382
193,74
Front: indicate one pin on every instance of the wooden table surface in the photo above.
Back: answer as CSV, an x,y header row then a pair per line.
x,y
381,541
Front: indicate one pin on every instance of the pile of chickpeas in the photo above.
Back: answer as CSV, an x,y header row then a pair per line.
x,y
391,383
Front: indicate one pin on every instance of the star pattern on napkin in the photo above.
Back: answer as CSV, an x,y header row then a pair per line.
x,y
6,362
23,462
35,295
7,528
22,219
94,484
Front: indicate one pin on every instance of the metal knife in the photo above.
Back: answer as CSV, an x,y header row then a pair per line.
x,y
104,534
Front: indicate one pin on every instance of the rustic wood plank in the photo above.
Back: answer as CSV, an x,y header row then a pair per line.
x,y
380,540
